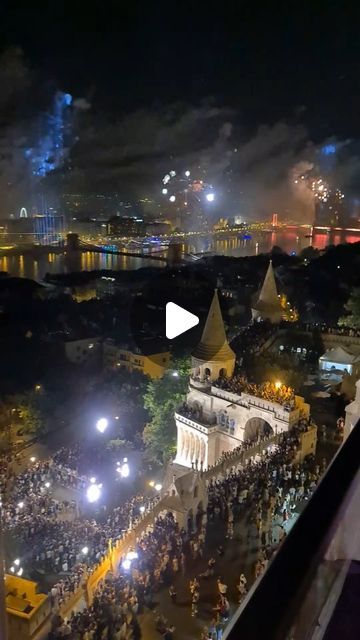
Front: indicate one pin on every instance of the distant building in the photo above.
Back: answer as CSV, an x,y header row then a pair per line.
x,y
152,361
267,305
108,286
126,226
221,224
27,610
340,359
83,350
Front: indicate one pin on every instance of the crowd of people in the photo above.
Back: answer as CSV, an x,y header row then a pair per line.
x,y
48,533
262,495
272,392
253,337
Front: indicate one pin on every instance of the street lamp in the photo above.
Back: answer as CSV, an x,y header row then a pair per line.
x,y
85,551
278,384
93,493
32,459
15,567
102,425
125,470
158,486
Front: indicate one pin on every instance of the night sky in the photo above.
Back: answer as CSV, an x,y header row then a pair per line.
x,y
268,62
285,65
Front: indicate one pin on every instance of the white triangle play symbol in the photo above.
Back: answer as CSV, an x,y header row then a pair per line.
x,y
178,320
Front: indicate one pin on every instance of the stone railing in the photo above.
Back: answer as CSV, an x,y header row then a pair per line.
x,y
198,423
245,400
240,458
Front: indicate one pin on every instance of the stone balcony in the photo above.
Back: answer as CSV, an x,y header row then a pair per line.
x,y
201,423
290,416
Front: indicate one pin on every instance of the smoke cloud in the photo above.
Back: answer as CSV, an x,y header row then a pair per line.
x,y
253,175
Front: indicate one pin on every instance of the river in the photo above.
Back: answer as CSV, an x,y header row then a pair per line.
x,y
290,240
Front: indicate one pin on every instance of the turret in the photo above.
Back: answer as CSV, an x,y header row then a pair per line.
x,y
213,358
267,304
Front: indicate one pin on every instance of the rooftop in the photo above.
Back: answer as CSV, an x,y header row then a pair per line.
x,y
213,345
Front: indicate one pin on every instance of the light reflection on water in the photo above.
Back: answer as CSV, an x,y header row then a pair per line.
x,y
290,241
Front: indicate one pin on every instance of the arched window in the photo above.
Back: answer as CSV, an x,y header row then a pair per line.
x,y
207,372
232,426
222,373
196,492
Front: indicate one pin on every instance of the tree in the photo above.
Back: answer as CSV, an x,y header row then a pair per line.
x,y
352,307
161,399
31,412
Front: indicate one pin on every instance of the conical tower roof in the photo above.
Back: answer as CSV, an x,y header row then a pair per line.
x,y
213,345
268,293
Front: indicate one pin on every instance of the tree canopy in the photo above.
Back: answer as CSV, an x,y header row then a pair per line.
x,y
352,308
161,399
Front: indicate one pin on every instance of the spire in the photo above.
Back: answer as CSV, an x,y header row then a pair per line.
x,y
268,293
267,304
213,344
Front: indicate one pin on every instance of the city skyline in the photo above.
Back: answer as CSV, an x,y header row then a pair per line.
x,y
237,116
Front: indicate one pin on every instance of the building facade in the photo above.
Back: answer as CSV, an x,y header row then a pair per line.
x,y
27,610
153,363
219,414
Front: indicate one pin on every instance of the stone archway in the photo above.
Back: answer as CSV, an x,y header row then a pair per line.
x,y
256,427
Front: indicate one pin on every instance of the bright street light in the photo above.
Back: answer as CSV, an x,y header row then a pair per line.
x,y
278,384
93,480
47,485
210,197
32,459
158,487
20,505
142,509
85,550
17,562
102,425
126,564
93,493
123,468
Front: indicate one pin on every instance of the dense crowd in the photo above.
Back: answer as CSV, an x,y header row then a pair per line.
x,y
278,393
253,337
262,493
52,539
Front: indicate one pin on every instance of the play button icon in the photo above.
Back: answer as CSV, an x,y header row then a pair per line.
x,y
178,320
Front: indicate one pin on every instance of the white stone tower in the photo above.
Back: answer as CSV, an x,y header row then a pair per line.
x,y
196,422
213,358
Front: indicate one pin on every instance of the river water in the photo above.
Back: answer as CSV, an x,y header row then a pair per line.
x,y
290,240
